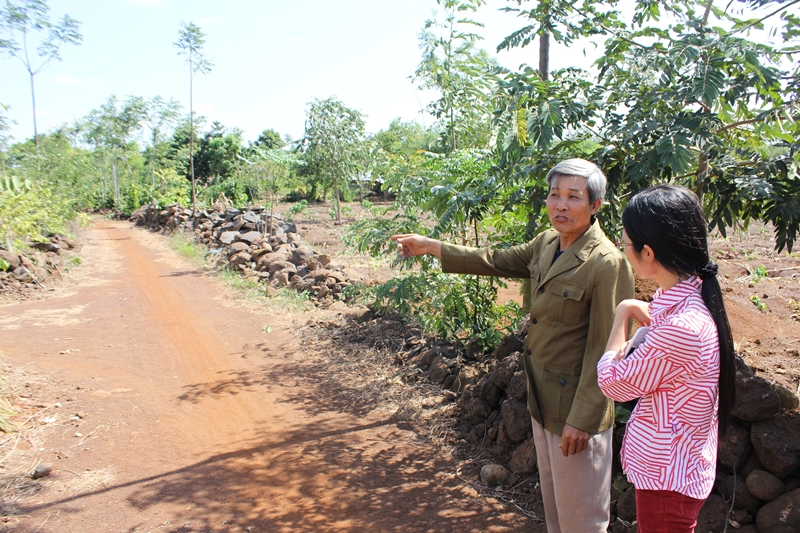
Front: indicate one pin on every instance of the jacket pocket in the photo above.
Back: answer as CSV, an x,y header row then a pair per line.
x,y
570,295
560,389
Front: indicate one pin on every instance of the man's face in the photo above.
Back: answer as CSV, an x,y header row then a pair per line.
x,y
568,205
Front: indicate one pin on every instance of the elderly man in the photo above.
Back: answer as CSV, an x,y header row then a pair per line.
x,y
577,279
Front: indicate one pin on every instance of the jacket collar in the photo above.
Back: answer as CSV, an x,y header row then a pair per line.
x,y
572,256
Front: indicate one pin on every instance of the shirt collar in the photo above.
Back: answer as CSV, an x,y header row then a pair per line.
x,y
664,300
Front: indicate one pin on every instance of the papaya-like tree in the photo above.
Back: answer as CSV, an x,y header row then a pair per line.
x,y
23,22
190,43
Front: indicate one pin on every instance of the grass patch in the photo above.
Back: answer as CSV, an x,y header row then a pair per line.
x,y
187,248
285,298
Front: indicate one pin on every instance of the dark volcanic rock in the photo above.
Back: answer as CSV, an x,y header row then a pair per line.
x,y
755,398
764,485
734,447
777,442
781,515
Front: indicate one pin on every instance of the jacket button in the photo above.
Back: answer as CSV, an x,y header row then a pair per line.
x,y
533,321
566,294
541,290
562,382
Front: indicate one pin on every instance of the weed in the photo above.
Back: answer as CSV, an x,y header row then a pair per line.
x,y
749,256
794,305
187,248
74,262
366,204
758,303
299,208
4,265
759,273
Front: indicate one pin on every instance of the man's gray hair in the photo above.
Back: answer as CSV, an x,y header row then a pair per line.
x,y
595,179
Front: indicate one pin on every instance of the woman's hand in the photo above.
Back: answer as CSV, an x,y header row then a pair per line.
x,y
627,309
411,244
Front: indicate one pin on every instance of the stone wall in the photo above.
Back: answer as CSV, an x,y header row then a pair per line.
x,y
35,268
262,247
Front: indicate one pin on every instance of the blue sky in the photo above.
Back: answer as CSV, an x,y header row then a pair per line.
x,y
271,58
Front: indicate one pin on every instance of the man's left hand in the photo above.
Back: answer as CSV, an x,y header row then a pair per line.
x,y
573,440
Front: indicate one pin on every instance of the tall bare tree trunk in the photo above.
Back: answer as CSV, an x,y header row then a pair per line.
x,y
544,72
116,183
191,136
544,55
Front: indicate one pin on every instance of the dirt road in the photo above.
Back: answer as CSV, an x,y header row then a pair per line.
x,y
196,417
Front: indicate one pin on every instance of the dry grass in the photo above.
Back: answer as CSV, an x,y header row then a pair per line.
x,y
33,419
365,372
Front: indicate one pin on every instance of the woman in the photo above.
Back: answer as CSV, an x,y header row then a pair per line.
x,y
683,372
577,279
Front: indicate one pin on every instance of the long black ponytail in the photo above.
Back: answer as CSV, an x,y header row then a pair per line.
x,y
671,221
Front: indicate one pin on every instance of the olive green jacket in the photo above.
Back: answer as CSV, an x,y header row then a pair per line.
x,y
573,303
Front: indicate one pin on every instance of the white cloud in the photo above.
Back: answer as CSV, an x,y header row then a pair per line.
x,y
293,40
147,3
66,79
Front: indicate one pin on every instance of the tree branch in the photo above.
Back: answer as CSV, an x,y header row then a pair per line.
x,y
762,19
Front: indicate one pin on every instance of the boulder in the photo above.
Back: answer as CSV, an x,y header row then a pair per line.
x,y
439,370
323,260
475,410
518,388
267,259
237,247
239,259
11,258
282,266
781,515
516,420
511,343
494,475
737,485
713,515
468,376
505,371
523,459
734,447
302,254
764,485
227,237
777,442
789,400
755,398
251,236
626,505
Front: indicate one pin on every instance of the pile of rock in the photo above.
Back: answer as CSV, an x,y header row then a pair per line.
x,y
36,268
758,471
261,246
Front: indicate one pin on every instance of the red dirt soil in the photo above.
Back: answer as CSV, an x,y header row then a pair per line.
x,y
194,416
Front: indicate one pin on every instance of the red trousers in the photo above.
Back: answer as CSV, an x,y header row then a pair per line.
x,y
666,511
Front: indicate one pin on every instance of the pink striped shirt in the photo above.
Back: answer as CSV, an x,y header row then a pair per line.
x,y
671,438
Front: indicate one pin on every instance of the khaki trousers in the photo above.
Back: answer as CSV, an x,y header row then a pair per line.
x,y
576,489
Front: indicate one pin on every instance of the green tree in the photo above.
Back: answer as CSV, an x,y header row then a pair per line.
x,y
190,42
332,144
5,138
461,73
158,115
270,140
398,153
270,171
693,102
22,22
217,154
111,129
